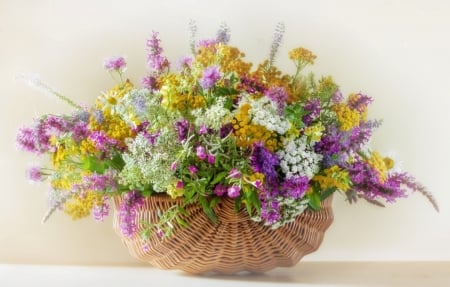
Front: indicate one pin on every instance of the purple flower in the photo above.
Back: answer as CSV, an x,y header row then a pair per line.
x,y
220,189
128,209
98,116
210,76
313,107
234,173
225,130
359,102
155,60
202,130
295,186
185,62
173,166
114,64
182,128
223,34
101,140
270,211
193,169
100,182
252,85
80,131
277,95
337,97
234,191
149,82
264,161
179,184
206,43
27,141
35,174
211,159
101,211
201,152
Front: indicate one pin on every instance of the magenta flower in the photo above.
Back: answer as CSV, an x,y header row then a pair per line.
x,y
234,173
149,82
156,61
179,185
201,152
211,159
210,76
220,189
114,64
101,211
193,169
234,191
173,166
34,173
203,130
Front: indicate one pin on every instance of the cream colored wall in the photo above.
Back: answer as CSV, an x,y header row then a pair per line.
x,y
396,51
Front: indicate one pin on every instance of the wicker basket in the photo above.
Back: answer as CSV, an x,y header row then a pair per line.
x,y
233,245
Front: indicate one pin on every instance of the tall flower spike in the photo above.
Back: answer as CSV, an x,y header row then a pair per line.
x,y
35,82
223,34
277,38
192,34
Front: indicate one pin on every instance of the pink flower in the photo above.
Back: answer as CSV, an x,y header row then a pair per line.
x,y
193,169
114,64
220,189
211,159
203,130
234,191
201,152
173,166
180,184
234,173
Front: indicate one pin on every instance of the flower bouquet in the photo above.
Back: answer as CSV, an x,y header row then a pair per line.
x,y
209,141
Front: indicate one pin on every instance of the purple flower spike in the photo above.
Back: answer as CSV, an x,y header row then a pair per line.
x,y
210,76
114,64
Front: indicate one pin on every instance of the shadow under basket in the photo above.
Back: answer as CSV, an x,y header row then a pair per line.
x,y
234,244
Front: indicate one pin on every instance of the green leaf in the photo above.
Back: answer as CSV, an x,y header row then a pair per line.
x,y
314,201
327,192
207,209
182,222
219,177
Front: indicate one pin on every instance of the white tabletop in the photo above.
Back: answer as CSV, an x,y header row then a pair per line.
x,y
429,274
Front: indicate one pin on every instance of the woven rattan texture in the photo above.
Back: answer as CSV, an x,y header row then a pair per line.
x,y
233,245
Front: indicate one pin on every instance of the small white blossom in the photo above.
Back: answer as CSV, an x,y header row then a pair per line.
x,y
298,158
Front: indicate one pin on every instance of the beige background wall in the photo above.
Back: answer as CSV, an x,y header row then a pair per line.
x,y
396,51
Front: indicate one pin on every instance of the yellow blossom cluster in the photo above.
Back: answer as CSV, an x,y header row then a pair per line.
x,y
81,205
229,58
348,118
380,164
333,177
302,55
247,133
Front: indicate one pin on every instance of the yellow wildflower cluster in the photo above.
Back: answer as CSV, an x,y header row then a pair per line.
x,y
174,189
81,205
348,118
302,55
247,133
314,132
353,99
380,164
108,100
272,76
229,58
334,177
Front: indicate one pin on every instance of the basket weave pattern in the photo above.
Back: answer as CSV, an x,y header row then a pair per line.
x,y
233,245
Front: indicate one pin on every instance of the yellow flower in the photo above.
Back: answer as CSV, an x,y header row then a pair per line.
x,y
334,177
347,117
377,162
302,55
175,189
315,132
81,205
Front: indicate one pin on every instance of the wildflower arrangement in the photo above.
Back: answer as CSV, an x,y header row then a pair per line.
x,y
209,127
